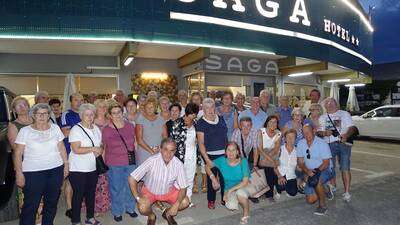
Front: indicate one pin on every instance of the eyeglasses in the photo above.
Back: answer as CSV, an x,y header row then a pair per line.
x,y
308,154
41,114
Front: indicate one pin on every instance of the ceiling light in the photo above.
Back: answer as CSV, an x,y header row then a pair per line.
x,y
128,60
156,76
339,80
300,74
355,85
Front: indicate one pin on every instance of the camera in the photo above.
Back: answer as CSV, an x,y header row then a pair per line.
x,y
335,133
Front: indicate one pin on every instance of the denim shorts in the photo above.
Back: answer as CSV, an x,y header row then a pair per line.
x,y
343,152
326,175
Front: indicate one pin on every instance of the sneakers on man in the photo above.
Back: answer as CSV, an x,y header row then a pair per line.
x,y
329,192
320,211
346,196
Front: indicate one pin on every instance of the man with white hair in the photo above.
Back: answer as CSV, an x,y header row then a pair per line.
x,y
265,105
256,115
336,126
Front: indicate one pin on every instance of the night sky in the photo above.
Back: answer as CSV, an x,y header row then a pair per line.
x,y
386,22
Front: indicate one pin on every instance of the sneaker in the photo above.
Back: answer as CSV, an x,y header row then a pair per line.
x,y
320,211
333,187
277,196
211,205
254,200
329,192
68,213
346,196
132,214
117,218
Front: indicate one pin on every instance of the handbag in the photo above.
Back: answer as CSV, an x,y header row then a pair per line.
x,y
258,184
101,166
131,154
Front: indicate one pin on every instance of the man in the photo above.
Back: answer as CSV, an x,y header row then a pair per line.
x,y
56,108
183,100
265,106
164,180
120,97
314,158
315,96
285,111
257,116
69,119
92,97
336,126
42,97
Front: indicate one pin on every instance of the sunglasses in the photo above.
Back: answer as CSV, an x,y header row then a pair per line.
x,y
308,154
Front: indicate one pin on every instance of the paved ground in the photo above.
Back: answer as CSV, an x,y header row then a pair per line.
x,y
376,198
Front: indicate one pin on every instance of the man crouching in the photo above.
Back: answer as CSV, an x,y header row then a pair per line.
x,y
164,180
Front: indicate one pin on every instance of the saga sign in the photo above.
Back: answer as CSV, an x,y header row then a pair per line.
x,y
240,64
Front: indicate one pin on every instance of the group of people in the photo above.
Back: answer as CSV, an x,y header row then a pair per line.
x,y
154,148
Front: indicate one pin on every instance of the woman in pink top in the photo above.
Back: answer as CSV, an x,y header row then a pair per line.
x,y
118,140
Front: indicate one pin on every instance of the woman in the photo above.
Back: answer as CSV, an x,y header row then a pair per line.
x,y
131,110
235,173
141,99
316,111
211,136
164,108
295,123
118,139
175,129
102,198
149,129
85,139
268,152
227,111
240,100
286,170
40,155
197,99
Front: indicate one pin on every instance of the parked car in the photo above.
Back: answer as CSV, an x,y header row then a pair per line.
x,y
382,122
8,202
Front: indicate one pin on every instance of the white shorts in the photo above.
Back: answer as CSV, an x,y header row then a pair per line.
x,y
233,202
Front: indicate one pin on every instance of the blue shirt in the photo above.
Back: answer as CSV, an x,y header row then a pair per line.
x,y
319,151
258,120
229,118
233,175
69,119
215,138
285,115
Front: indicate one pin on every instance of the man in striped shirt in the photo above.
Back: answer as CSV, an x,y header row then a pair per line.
x,y
164,180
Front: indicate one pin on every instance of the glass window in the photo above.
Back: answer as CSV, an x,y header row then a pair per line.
x,y
385,112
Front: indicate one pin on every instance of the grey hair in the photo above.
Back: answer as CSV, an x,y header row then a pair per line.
x,y
38,106
208,102
41,93
85,107
245,119
266,92
297,109
166,141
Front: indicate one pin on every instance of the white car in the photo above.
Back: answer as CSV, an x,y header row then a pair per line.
x,y
382,122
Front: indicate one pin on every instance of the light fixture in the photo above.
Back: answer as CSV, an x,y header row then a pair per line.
x,y
300,74
339,80
128,60
154,76
354,85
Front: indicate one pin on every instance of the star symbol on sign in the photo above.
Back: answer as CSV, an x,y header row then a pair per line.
x,y
357,42
352,39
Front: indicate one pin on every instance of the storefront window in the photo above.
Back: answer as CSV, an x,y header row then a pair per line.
x,y
196,83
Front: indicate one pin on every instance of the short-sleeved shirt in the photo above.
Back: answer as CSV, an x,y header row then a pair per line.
x,y
233,175
215,135
287,163
41,148
114,149
69,119
270,110
159,178
341,119
84,162
319,151
258,120
229,118
249,143
285,115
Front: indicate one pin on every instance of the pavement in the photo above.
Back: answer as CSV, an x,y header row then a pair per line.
x,y
375,198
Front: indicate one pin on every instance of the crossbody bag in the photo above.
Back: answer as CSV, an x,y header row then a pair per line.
x,y
131,154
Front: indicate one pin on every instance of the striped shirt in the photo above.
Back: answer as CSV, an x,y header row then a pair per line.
x,y
159,177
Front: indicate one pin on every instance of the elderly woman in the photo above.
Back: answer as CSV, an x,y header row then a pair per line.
x,y
141,99
240,100
131,110
164,108
228,112
118,140
268,152
235,173
316,111
296,123
40,164
211,137
85,139
149,129
102,199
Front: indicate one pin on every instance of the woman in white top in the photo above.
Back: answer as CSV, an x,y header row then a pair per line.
x,y
85,139
286,170
41,165
268,152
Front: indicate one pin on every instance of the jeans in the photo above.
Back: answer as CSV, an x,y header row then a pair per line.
x,y
272,180
38,184
325,176
211,193
343,152
122,199
84,187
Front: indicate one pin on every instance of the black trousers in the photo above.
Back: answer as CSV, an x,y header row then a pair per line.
x,y
38,184
290,187
84,187
211,193
272,180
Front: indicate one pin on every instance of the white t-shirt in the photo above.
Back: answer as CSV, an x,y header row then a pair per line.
x,y
287,163
190,145
41,151
342,120
83,162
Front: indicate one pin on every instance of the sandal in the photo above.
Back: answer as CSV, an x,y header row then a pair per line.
x,y
244,220
92,221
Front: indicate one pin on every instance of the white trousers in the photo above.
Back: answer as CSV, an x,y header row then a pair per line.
x,y
190,171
